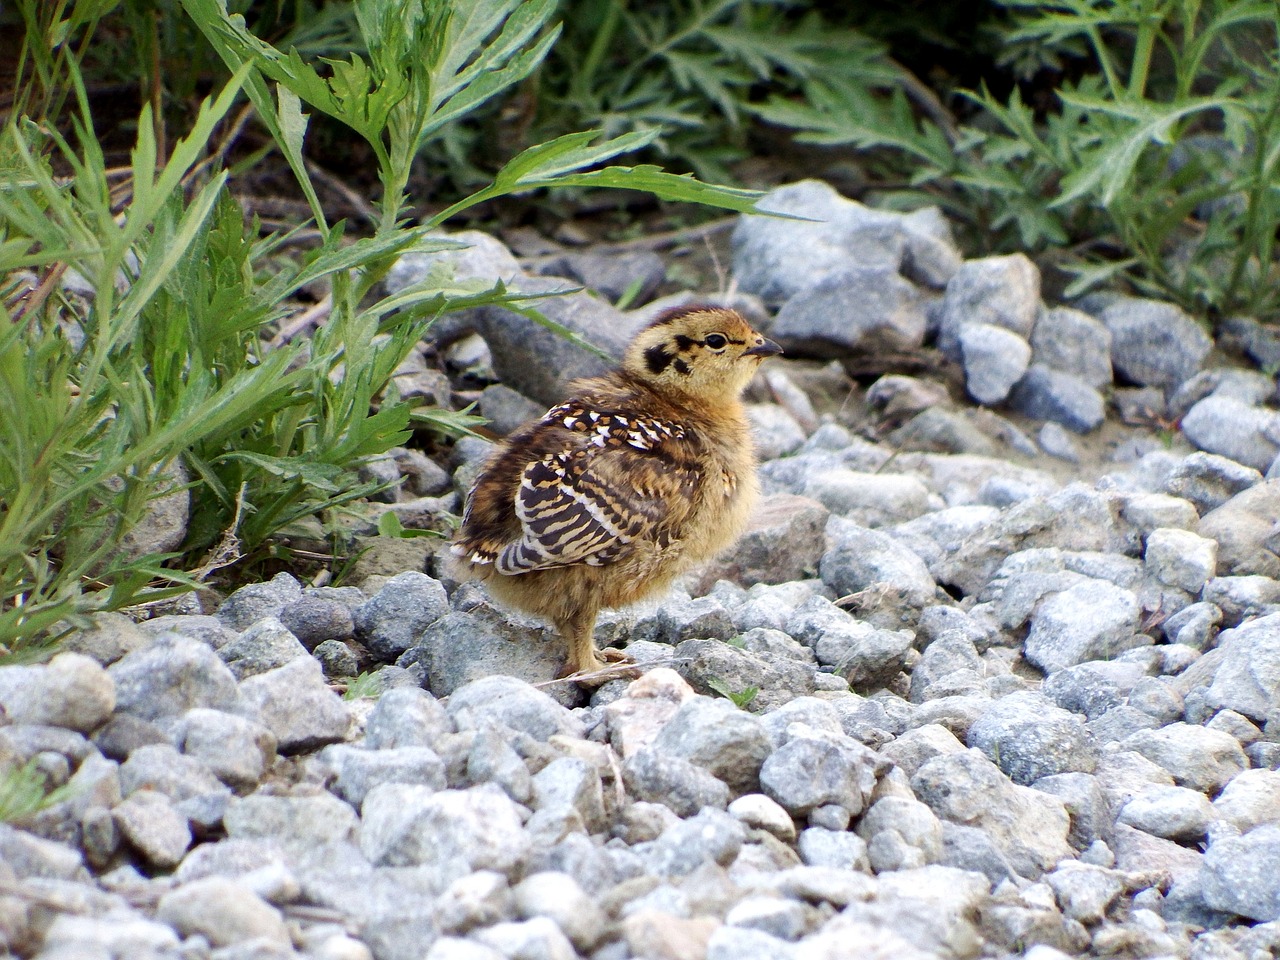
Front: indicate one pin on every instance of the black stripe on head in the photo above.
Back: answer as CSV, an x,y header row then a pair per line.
x,y
682,367
683,342
657,359
675,313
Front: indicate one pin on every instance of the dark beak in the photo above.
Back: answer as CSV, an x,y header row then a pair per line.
x,y
766,349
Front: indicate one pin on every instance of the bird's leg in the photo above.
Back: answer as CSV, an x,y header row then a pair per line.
x,y
577,630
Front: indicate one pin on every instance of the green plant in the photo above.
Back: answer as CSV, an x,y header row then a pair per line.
x,y
686,71
366,686
174,361
25,791
1158,164
742,699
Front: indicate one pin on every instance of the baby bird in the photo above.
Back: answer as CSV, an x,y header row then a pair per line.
x,y
638,476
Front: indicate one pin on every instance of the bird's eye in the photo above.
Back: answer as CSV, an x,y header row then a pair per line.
x,y
715,341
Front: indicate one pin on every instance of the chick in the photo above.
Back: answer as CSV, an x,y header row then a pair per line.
x,y
638,476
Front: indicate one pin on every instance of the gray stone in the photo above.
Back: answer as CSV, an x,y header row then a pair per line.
x,y
71,937
161,768
1209,480
477,899
1092,620
1194,626
994,359
1057,442
406,717
71,691
1244,528
813,769
1151,511
1085,892
263,646
1251,387
779,918
452,831
866,309
764,813
1242,598
1081,794
1153,343
1195,757
713,666
297,706
683,786
774,431
357,771
874,500
251,603
513,703
1242,874
1251,799
943,660
1180,558
901,833
222,911
539,937
170,677
492,759
316,620
1174,813
1000,291
777,258
914,748
1029,827
783,542
237,750
710,837
1073,342
859,559
567,791
558,897
1257,340
506,409
714,734
147,819
461,649
1047,394
537,362
1235,429
637,274
1248,680
1028,737
108,636
337,659
820,847
392,621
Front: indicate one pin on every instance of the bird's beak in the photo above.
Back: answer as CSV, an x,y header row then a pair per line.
x,y
766,349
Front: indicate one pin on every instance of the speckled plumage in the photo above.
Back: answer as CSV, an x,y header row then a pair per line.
x,y
639,475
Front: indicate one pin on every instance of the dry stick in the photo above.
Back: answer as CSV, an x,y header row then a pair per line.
x,y
928,101
313,315
34,300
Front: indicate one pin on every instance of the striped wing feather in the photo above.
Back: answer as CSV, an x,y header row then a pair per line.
x,y
584,506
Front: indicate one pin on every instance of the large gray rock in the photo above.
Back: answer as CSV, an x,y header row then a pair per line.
x,y
1251,799
252,602
810,771
1209,480
1242,874
1073,342
656,777
1000,291
1233,428
783,542
170,677
392,620
860,558
223,912
464,648
1153,343
1174,813
1091,620
994,359
1196,757
1029,827
71,691
1047,394
263,646
1248,680
777,258
858,311
406,717
1245,528
714,734
297,706
1029,738
454,832
514,704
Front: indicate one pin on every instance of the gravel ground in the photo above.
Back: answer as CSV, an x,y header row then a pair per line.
x,y
990,676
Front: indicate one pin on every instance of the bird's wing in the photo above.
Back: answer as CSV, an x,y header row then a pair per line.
x,y
614,482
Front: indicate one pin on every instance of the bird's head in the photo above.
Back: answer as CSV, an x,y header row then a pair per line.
x,y
704,352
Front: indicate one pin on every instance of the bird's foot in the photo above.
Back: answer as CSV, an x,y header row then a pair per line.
x,y
601,667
